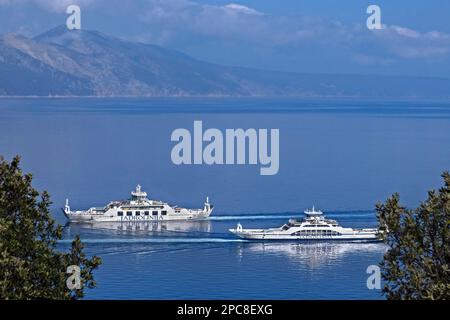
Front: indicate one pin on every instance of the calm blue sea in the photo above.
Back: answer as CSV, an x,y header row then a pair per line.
x,y
341,156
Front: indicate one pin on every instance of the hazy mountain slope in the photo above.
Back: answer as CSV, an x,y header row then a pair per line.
x,y
117,67
24,74
63,62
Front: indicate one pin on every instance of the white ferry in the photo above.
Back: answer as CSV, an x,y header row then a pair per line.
x,y
138,208
313,227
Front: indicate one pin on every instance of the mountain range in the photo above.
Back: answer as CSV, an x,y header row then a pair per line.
x,y
64,62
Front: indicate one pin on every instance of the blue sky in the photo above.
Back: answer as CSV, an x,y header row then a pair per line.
x,y
321,36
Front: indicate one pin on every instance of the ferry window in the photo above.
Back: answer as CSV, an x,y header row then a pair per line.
x,y
129,213
138,213
146,213
120,213
155,213
164,212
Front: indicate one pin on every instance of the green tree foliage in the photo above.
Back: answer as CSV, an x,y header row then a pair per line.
x,y
416,265
30,265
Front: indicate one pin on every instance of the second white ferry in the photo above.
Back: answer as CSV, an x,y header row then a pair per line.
x,y
313,227
138,208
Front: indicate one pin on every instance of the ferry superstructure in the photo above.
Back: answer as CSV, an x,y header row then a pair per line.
x,y
137,208
313,227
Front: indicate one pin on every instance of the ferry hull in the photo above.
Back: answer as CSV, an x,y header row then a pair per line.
x,y
86,217
367,235
343,238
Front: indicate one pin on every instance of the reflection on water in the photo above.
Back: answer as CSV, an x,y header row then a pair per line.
x,y
314,254
139,228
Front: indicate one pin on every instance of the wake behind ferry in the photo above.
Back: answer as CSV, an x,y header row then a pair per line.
x,y
138,208
313,227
